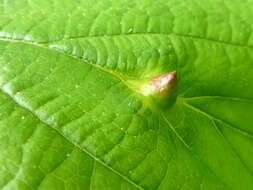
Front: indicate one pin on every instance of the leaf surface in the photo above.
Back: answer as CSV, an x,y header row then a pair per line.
x,y
69,118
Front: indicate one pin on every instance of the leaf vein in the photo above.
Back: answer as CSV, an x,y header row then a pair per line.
x,y
75,144
242,132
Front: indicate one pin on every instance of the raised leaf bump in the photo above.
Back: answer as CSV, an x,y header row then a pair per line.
x,y
159,91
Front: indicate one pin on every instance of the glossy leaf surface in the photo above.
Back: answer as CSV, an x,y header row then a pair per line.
x,y
70,119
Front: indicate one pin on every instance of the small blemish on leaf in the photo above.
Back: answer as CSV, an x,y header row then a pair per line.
x,y
160,90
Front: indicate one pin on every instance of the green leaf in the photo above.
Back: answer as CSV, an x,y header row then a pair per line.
x,y
70,118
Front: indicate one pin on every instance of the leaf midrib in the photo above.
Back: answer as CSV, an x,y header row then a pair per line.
x,y
134,34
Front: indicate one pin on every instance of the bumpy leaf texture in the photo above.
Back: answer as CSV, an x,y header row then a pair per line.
x,y
69,119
